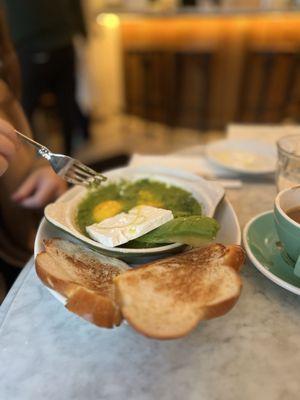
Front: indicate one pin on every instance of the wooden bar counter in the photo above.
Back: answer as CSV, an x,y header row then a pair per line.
x,y
204,70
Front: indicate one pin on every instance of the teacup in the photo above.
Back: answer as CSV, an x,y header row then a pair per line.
x,y
288,230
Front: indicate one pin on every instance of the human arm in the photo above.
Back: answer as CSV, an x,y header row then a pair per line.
x,y
9,60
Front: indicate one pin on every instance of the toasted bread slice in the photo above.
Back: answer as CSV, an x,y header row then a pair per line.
x,y
95,271
84,277
167,299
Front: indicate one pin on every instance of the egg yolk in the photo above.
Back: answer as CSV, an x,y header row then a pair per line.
x,y
146,198
107,209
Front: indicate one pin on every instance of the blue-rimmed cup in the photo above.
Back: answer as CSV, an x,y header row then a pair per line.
x,y
288,230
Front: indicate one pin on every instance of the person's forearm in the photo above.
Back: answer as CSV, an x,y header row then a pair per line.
x,y
10,69
6,45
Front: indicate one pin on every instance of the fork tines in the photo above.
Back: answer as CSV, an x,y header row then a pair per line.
x,y
81,174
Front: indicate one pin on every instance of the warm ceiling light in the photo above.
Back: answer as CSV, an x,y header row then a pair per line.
x,y
108,20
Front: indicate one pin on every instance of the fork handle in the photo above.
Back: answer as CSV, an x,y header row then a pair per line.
x,y
43,151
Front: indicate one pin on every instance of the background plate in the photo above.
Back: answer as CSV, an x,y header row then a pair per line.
x,y
263,150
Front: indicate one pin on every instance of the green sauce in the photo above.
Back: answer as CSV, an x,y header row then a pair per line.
x,y
130,194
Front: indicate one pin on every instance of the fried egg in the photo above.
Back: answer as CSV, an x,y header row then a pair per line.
x,y
107,209
147,198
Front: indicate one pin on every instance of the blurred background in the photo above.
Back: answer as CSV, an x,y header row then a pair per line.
x,y
154,76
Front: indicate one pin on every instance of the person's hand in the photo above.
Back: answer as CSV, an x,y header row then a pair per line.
x,y
40,188
8,144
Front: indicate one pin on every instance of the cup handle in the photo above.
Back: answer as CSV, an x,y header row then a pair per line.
x,y
297,267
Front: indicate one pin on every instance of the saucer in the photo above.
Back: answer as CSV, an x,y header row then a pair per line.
x,y
265,251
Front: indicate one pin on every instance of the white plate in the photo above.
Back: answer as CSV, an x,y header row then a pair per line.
x,y
61,213
229,233
250,157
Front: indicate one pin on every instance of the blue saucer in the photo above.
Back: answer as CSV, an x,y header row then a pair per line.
x,y
266,253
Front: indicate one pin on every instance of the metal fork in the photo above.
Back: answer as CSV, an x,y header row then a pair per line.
x,y
68,168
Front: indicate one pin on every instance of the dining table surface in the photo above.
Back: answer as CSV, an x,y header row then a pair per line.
x,y
251,353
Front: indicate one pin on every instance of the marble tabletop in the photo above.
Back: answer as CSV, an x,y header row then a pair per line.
x,y
251,353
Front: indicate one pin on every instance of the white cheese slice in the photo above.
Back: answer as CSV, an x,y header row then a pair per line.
x,y
124,227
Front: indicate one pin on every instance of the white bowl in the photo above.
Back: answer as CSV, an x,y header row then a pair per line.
x,y
62,212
